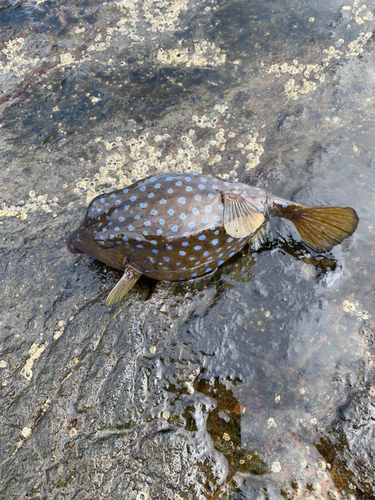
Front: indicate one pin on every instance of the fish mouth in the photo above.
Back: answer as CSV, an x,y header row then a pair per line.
x,y
72,248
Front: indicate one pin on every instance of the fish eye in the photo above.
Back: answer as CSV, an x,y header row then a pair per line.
x,y
105,244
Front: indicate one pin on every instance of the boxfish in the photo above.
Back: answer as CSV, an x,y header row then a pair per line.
x,y
176,226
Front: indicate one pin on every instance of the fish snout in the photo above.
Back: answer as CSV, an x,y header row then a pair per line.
x,y
71,247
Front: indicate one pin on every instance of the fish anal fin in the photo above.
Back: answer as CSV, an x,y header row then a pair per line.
x,y
321,228
128,280
258,239
241,218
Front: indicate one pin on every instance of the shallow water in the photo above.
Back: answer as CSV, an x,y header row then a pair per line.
x,y
255,382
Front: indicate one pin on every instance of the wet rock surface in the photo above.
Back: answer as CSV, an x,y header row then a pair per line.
x,y
254,382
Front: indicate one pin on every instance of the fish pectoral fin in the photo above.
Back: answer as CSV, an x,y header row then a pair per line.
x,y
241,218
128,280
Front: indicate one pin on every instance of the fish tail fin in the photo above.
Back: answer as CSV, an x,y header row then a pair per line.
x,y
321,228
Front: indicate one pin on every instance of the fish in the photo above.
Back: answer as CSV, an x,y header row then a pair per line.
x,y
178,226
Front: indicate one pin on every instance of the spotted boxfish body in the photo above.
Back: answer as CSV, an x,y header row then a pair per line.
x,y
176,226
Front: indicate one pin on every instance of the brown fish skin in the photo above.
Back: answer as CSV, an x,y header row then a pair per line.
x,y
179,226
185,238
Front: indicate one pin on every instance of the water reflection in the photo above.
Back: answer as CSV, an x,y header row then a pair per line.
x,y
275,363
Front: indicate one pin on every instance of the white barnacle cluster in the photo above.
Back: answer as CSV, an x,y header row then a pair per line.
x,y
356,46
33,204
355,309
130,9
211,121
203,55
129,25
332,53
296,68
254,150
275,467
18,63
128,159
307,73
67,59
204,121
163,16
34,353
132,159
305,77
361,13
184,158
135,18
293,89
100,43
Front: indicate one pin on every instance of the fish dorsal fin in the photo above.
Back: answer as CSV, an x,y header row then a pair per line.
x,y
128,280
241,218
